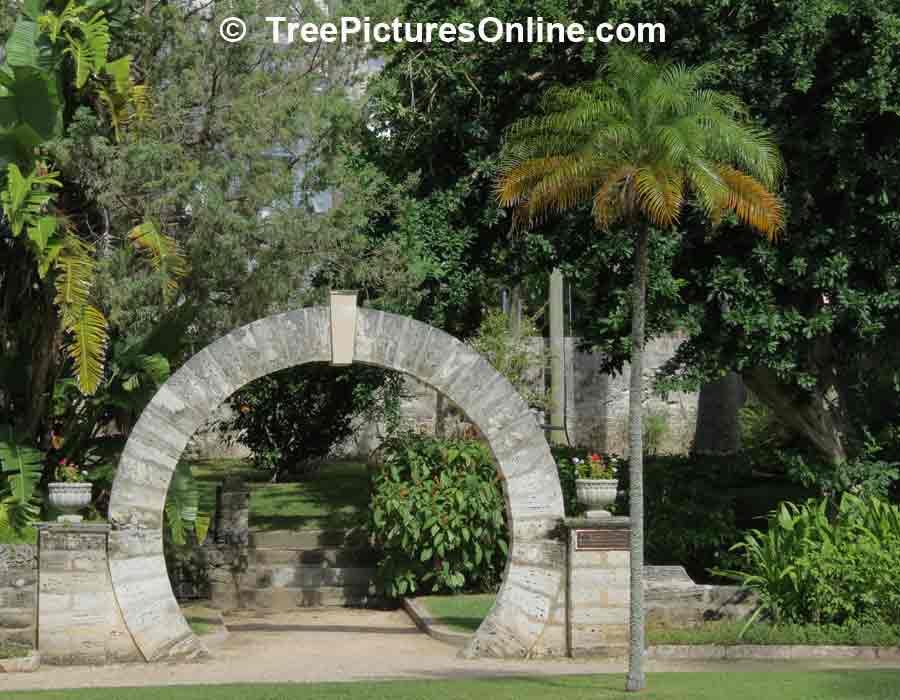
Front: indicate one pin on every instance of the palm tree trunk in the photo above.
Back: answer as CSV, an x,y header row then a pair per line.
x,y
636,678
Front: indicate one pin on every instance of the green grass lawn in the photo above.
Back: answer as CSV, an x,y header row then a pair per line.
x,y
461,613
728,633
337,497
822,685
202,620
464,613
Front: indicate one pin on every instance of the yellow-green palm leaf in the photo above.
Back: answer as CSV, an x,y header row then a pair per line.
x,y
636,144
86,346
163,252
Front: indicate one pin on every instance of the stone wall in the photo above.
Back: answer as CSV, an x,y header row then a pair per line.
x,y
597,402
79,621
673,599
18,594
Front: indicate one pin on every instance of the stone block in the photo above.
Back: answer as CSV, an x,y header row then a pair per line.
x,y
552,642
529,603
547,553
599,615
547,582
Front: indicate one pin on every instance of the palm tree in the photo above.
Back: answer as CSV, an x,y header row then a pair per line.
x,y
634,144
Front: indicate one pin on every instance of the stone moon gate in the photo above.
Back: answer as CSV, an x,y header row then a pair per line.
x,y
528,617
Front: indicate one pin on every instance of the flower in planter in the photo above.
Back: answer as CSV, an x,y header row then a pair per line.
x,y
595,467
69,473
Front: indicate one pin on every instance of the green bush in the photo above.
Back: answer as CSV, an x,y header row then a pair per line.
x,y
438,515
689,511
292,419
808,567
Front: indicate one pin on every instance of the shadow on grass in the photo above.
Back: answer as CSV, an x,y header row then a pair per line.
x,y
356,629
335,498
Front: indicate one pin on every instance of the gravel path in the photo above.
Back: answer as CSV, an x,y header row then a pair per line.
x,y
348,645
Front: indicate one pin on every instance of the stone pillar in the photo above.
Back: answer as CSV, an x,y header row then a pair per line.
x,y
79,621
226,554
232,513
598,585
18,599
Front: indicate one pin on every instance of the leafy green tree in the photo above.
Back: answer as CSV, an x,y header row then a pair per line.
x,y
292,419
632,145
60,58
229,156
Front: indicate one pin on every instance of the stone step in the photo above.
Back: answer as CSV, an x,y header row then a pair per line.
x,y
331,556
224,596
305,539
308,576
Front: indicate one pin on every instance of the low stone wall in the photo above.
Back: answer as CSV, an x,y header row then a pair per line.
x,y
18,594
673,599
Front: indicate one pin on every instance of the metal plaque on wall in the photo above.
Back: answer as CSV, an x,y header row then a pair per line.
x,y
602,540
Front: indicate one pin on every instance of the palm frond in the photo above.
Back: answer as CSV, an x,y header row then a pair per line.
x,y
612,200
634,143
753,203
74,276
660,194
163,252
87,346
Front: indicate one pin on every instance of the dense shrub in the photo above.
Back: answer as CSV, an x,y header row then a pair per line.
x,y
689,511
438,515
808,567
291,419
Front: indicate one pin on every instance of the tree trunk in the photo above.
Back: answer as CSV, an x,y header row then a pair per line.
x,y
718,429
44,358
636,678
811,418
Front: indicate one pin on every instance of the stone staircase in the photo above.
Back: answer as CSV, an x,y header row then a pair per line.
x,y
285,570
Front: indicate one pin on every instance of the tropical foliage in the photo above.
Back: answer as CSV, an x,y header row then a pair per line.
x,y
22,467
809,567
57,58
631,145
438,516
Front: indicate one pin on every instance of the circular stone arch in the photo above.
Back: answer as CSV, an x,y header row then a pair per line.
x,y
527,617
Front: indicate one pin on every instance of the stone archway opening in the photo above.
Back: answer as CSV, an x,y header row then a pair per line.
x,y
527,617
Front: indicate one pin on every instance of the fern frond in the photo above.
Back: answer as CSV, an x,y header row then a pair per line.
x,y
96,35
53,24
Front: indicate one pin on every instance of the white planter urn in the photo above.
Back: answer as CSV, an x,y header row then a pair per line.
x,y
595,495
70,498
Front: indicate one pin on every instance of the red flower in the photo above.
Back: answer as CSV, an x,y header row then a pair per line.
x,y
62,462
596,458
